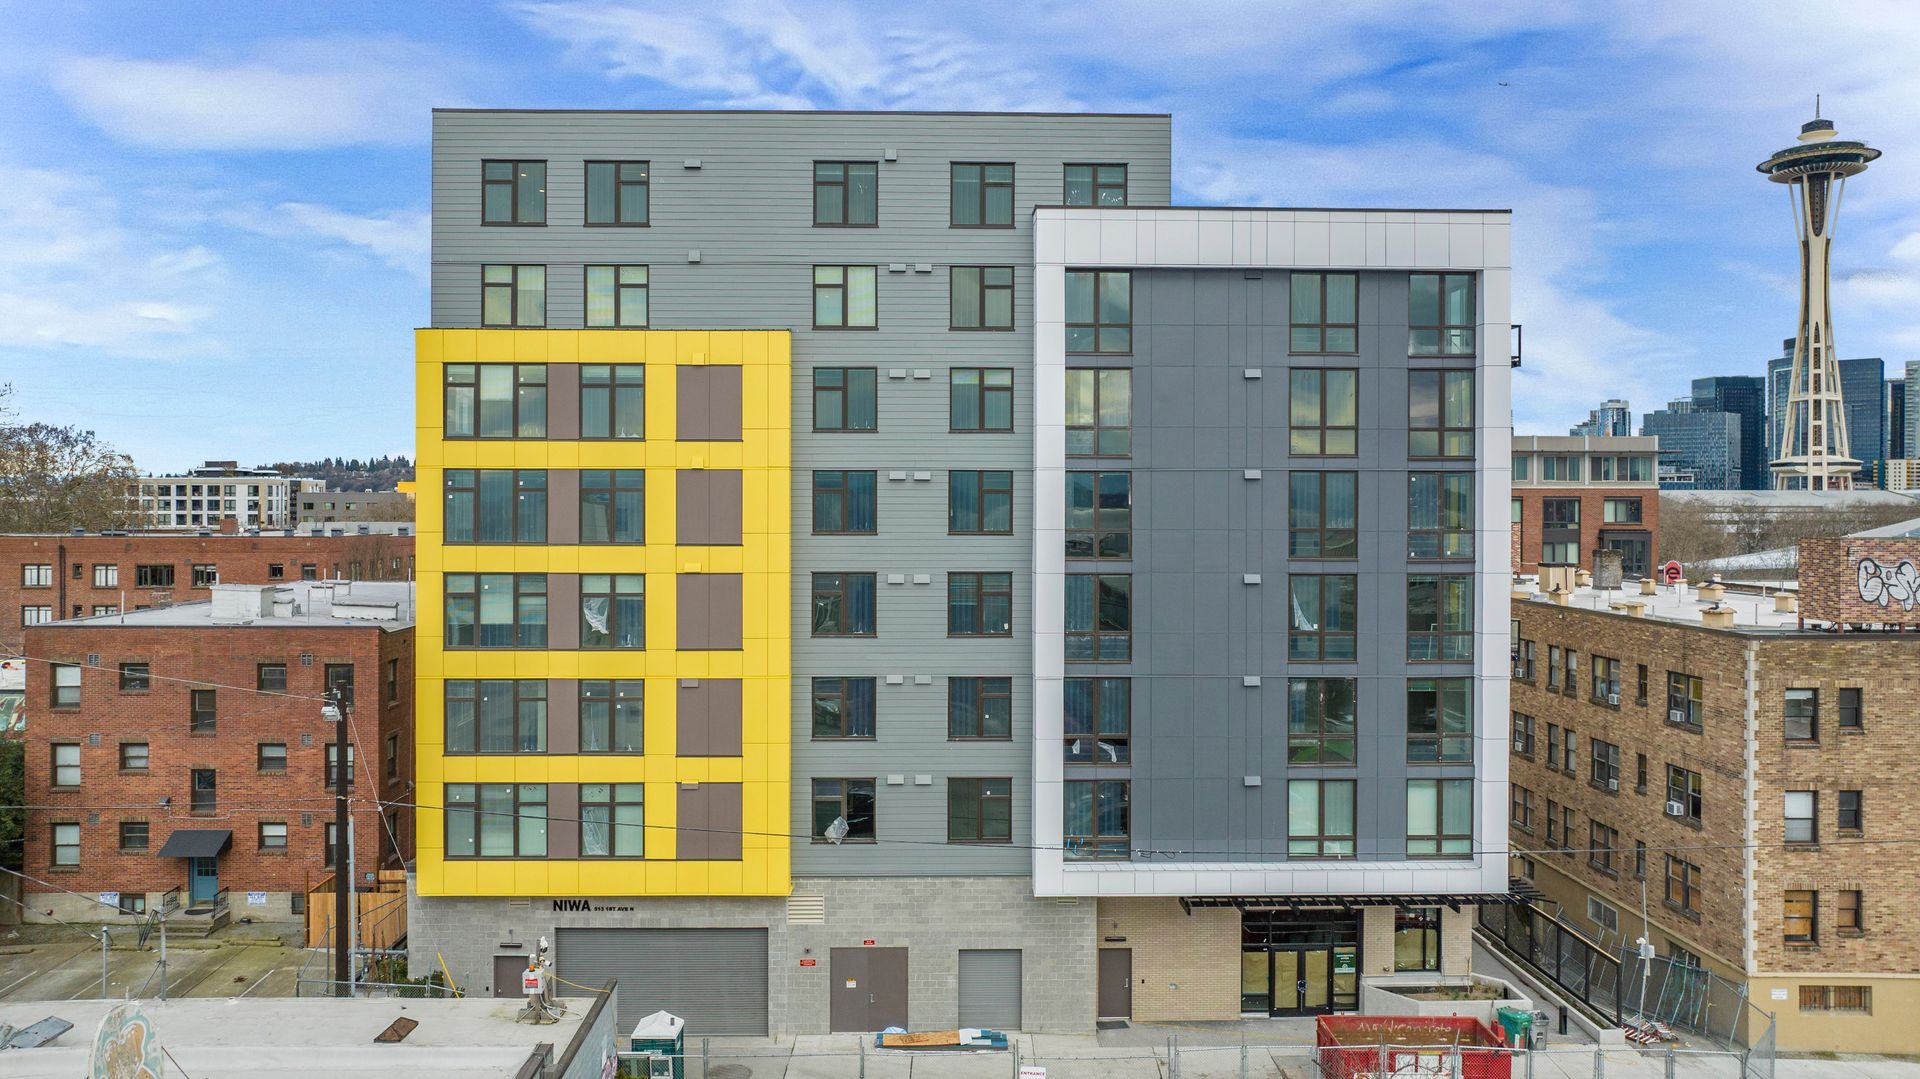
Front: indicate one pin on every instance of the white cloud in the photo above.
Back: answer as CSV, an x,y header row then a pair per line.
x,y
298,95
401,238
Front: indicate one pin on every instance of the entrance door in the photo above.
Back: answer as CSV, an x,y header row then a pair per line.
x,y
1116,983
203,880
869,990
507,970
1300,981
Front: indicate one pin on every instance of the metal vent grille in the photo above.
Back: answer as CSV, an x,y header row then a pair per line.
x,y
93,659
306,659
306,740
806,910
93,818
306,820
93,739
519,902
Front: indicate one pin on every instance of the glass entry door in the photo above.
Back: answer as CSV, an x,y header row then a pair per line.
x,y
1295,965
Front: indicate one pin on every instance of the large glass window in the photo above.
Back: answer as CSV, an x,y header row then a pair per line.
x,y
613,610
1439,515
1320,818
979,708
1325,613
1440,617
981,297
844,502
513,295
1098,720
1440,414
843,605
613,400
613,505
1097,822
1324,413
496,715
496,820
617,297
1439,720
1620,511
982,195
1416,939
843,708
1325,313
1441,313
1099,311
1099,412
1099,617
1439,818
1099,515
617,192
1802,715
980,399
979,810
845,399
981,605
850,801
1322,514
1094,185
1322,726
496,400
846,194
513,192
613,715
613,820
496,610
496,505
844,298
1803,816
979,502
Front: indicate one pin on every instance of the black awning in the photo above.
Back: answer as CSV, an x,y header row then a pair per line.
x,y
1516,895
197,843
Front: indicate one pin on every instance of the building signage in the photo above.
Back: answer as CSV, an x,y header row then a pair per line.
x,y
809,962
1852,581
1346,963
256,899
588,906
868,942
1670,573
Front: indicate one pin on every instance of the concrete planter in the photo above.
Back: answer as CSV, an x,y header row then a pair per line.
x,y
1388,996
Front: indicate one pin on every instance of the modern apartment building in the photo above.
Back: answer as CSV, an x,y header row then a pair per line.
x,y
1733,767
219,491
325,508
180,753
823,509
1700,450
1573,496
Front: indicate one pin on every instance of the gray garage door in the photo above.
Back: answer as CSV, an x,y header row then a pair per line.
x,y
990,989
715,979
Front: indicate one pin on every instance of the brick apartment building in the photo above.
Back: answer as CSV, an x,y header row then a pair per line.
x,y
1742,763
1575,494
185,747
63,576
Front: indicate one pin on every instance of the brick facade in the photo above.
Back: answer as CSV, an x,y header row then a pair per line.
x,y
223,658
1526,533
1835,588
237,559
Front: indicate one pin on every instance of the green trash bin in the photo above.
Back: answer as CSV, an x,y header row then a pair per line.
x,y
1515,1022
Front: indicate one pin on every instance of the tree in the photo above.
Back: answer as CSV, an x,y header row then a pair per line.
x,y
13,795
56,478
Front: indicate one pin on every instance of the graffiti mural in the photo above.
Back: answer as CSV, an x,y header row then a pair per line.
x,y
1888,585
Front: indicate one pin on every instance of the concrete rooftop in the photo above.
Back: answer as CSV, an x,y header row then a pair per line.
x,y
1677,603
332,604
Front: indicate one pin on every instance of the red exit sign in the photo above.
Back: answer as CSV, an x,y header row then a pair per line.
x,y
809,962
868,942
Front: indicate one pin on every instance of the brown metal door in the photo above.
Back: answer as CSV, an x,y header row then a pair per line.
x,y
1116,983
887,977
847,995
506,974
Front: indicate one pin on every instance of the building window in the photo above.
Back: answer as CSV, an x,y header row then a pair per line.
x,y
843,605
1322,514
1440,618
66,844
979,810
1602,846
1522,465
155,576
496,820
1620,511
1605,678
1803,816
980,298
1684,798
982,195
1603,915
613,400
270,677
846,194
1686,695
1849,915
617,192
1325,313
1320,818
1851,713
979,503
1094,185
1439,720
1522,808
1416,939
33,615
1099,515
133,835
613,820
1569,671
135,678
1848,816
513,192
496,715
847,802
1800,917
616,297
1553,668
1836,998
843,503
1324,412
1322,724
1440,413
133,756
612,715
496,610
203,795
329,844
513,295
1099,412
844,298
333,765
1603,764
981,708
1099,311
1639,860
1571,754
844,399
66,764
106,576
1440,314
270,757
273,835
496,505
843,708
1099,617
1553,824
1439,818
1802,715
1563,468
1098,720
1640,684
1325,614
613,610
1097,820
65,686
339,682
36,575
204,575
496,400
981,605
1523,661
613,505
202,718
1439,515
393,681
980,399
1523,728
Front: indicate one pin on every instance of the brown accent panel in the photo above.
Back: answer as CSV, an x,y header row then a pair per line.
x,y
709,826
563,506
563,610
563,820
709,717
563,400
709,405
708,507
691,830
563,715
709,611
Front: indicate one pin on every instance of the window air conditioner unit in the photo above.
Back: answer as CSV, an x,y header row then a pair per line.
x,y
1676,715
1613,784
1613,699
1519,671
1676,809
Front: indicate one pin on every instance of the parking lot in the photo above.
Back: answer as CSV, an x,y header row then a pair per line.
x,y
58,963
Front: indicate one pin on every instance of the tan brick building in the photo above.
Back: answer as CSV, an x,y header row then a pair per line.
x,y
1576,494
1743,769
186,747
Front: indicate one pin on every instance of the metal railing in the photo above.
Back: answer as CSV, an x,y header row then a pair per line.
x,y
1563,955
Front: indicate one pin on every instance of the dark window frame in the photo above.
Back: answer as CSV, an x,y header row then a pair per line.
x,y
620,182
838,490
136,677
1447,432
1446,534
1309,385
983,184
513,183
1436,642
1522,740
845,186
528,719
1683,890
1447,335
1804,721
1101,539
841,584
851,694
203,712
128,830
1850,812
1800,918
1330,542
1320,844
971,715
522,631
1851,709
990,589
618,796
460,377
986,389
1315,733
844,287
1319,323
986,483
846,391
620,592
843,797
1087,639
1310,645
1097,843
1688,788
264,677
1449,744
1096,738
983,288
1095,443
607,485
1443,843
959,788
1094,183
513,287
626,731
469,811
526,520
1096,325
623,293
132,765
265,762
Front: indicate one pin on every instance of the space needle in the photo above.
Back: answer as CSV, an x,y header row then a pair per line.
x,y
1813,453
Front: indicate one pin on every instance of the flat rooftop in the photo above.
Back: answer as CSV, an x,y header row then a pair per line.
x,y
303,1037
1679,603
316,604
1802,500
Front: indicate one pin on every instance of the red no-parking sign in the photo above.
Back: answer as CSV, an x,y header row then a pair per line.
x,y
1670,573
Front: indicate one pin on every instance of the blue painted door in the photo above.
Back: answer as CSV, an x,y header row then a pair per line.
x,y
203,879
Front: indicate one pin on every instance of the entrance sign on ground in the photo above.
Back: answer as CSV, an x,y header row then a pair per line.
x,y
1670,573
1032,1071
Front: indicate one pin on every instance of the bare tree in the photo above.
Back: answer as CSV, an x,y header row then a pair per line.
x,y
56,478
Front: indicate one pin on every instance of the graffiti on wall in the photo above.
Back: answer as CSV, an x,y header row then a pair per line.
x,y
1888,585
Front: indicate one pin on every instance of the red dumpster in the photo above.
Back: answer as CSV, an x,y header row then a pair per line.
x,y
1351,1047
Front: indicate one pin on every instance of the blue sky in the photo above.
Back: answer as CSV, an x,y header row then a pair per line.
x,y
214,239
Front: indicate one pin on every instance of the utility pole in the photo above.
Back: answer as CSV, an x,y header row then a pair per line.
x,y
342,886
